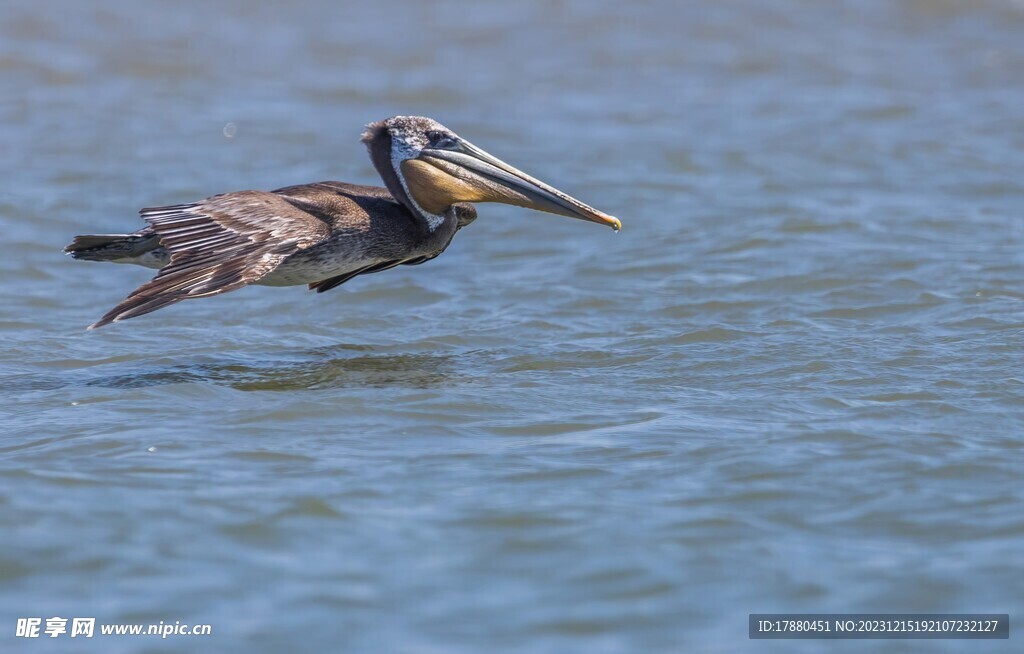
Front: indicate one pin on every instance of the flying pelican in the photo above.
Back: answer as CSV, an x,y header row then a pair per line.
x,y
326,233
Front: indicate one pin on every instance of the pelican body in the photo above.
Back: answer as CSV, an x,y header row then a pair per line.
x,y
325,233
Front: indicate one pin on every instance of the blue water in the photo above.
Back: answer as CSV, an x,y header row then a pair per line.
x,y
793,382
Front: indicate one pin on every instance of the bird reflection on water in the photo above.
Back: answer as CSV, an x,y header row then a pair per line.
x,y
311,369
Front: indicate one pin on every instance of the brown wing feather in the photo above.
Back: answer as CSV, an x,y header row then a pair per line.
x,y
219,245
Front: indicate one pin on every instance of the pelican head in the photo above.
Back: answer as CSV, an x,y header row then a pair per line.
x,y
434,168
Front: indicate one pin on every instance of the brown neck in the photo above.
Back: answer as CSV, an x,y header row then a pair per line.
x,y
378,143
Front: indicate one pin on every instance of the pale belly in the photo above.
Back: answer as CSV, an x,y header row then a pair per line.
x,y
297,270
300,272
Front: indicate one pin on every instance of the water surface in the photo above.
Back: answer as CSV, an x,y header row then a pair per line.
x,y
791,383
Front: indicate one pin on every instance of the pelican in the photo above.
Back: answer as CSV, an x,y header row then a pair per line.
x,y
324,234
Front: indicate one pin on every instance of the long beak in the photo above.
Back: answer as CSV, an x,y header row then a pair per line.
x,y
513,186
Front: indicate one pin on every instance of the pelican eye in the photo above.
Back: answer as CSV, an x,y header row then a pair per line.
x,y
439,139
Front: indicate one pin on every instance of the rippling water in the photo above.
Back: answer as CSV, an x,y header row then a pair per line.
x,y
792,383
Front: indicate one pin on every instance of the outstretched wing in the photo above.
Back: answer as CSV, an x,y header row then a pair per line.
x,y
218,245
